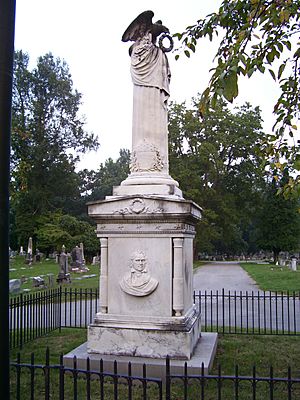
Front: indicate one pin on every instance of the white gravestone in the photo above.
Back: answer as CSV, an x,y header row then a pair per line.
x,y
29,257
294,264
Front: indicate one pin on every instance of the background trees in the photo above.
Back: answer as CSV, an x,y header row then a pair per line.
x,y
100,183
257,35
278,224
219,164
47,137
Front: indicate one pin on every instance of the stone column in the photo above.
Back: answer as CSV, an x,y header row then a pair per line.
x,y
103,275
178,277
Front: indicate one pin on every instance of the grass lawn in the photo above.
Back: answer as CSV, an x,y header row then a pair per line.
x,y
18,269
198,264
273,278
242,350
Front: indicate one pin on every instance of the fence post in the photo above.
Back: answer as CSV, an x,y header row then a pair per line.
x,y
61,378
144,382
59,308
32,376
168,379
129,381
47,374
185,382
202,381
219,380
21,321
18,378
115,380
75,377
254,382
289,383
88,379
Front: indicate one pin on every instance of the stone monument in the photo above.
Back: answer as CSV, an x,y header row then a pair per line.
x,y
63,275
29,257
82,253
293,263
22,252
146,228
78,261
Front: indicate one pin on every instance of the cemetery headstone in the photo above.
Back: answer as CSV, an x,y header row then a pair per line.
x,y
77,263
14,286
63,275
282,262
82,253
38,282
294,264
29,258
38,256
50,280
96,260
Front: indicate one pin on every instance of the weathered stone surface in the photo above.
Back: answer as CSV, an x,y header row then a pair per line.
x,y
14,286
162,230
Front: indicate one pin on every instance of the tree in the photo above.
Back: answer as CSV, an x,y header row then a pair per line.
x,y
217,161
256,35
278,222
47,137
53,230
100,183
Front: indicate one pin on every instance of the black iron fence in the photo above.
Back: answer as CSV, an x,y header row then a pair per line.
x,y
274,313
34,315
56,381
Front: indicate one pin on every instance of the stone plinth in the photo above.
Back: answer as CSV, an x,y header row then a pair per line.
x,y
156,367
146,282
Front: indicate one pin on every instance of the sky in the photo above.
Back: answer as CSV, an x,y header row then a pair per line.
x,y
87,35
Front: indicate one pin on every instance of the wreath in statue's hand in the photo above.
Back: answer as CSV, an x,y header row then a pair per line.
x,y
160,43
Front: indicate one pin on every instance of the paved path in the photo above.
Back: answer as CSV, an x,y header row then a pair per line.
x,y
250,308
223,275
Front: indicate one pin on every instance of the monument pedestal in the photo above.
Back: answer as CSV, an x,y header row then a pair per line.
x,y
156,367
146,281
151,337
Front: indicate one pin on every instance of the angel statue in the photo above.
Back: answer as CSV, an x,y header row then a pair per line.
x,y
150,74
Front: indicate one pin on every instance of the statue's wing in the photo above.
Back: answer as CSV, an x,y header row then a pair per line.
x,y
138,27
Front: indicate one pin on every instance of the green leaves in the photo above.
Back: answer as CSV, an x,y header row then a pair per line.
x,y
47,135
272,74
256,35
230,86
215,158
187,53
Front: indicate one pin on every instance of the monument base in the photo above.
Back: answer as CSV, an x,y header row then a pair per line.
x,y
129,336
146,183
155,367
158,190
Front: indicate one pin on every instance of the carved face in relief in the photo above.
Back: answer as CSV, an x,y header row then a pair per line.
x,y
139,261
138,282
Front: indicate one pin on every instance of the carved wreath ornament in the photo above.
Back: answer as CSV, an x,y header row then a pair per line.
x,y
138,206
161,45
146,158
